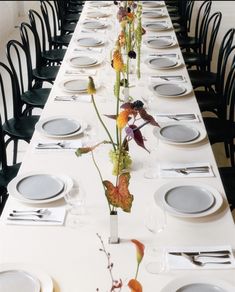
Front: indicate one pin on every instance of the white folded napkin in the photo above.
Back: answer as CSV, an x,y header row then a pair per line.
x,y
56,216
166,170
162,117
70,145
81,72
180,262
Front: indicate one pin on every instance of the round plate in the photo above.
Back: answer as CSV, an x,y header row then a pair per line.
x,y
96,14
76,85
160,63
18,280
152,4
202,135
89,42
40,186
12,188
179,133
156,26
160,194
61,127
92,24
160,43
171,89
99,3
73,123
83,61
44,280
178,283
200,287
153,14
189,199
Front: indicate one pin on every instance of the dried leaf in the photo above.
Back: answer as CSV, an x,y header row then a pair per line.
x,y
119,196
127,105
147,117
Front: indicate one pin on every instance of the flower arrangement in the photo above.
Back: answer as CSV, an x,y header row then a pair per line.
x,y
133,284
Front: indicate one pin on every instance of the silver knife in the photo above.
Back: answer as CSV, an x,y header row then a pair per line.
x,y
188,168
203,253
33,220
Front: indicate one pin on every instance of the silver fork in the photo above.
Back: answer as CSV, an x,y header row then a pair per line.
x,y
186,172
38,211
59,144
66,98
13,215
200,263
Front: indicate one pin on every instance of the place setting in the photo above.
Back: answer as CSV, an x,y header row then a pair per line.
x,y
171,89
156,13
152,4
58,145
76,85
186,117
161,42
100,4
97,14
180,134
84,61
15,277
157,26
89,41
163,61
188,200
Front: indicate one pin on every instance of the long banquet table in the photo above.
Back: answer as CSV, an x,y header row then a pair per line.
x,y
71,256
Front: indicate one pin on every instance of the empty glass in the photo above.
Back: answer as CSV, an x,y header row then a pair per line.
x,y
151,165
155,222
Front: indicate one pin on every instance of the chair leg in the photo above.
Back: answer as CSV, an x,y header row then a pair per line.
x,y
231,151
226,149
15,150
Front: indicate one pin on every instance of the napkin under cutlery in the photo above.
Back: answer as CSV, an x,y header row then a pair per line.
x,y
95,50
81,72
180,262
73,98
186,170
58,145
55,216
167,78
179,117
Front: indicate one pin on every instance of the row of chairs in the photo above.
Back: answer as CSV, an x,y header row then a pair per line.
x,y
215,91
32,62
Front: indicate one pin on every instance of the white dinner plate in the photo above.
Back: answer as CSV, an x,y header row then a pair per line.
x,y
161,192
153,14
99,3
171,89
96,14
93,24
152,4
76,85
73,127
157,26
18,280
177,284
163,63
179,133
14,192
162,42
197,134
46,283
84,61
89,42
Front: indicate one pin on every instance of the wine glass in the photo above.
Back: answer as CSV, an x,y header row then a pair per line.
x,y
151,165
155,222
76,198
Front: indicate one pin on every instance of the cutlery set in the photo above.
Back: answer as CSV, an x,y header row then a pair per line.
x,y
178,117
169,77
188,170
28,215
56,145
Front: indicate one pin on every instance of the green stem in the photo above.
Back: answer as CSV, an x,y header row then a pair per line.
x,y
119,157
137,270
103,124
100,175
118,101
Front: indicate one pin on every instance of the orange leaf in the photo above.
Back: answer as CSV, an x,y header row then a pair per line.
x,y
119,196
135,286
139,250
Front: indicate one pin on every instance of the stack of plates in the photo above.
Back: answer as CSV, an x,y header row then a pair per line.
x,y
89,42
60,127
93,24
188,200
162,62
160,42
83,61
38,188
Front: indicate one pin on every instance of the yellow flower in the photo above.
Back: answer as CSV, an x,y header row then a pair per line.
x,y
91,86
135,286
121,39
118,64
122,118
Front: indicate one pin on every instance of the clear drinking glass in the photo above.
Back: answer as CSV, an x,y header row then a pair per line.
x,y
151,165
155,222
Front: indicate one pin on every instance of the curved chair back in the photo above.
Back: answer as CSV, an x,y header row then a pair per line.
x,y
3,155
202,16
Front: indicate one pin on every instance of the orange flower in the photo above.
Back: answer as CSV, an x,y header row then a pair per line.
x,y
121,38
139,250
130,16
118,64
135,286
122,118
91,86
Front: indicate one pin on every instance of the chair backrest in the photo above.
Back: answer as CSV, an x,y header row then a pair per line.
x,y
3,155
230,90
21,67
202,16
51,20
188,14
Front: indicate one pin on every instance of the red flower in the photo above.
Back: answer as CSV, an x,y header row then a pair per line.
x,y
135,286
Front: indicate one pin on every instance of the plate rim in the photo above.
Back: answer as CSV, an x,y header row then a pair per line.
x,y
44,279
68,182
211,196
97,59
189,89
154,47
164,28
38,127
179,125
201,137
103,25
64,135
62,82
160,192
173,284
87,37
178,63
36,281
58,180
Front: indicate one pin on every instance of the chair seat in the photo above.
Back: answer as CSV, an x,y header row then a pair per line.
x,y
202,78
9,173
195,59
56,55
36,97
48,73
74,17
68,27
22,128
61,40
219,130
227,176
208,100
188,42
